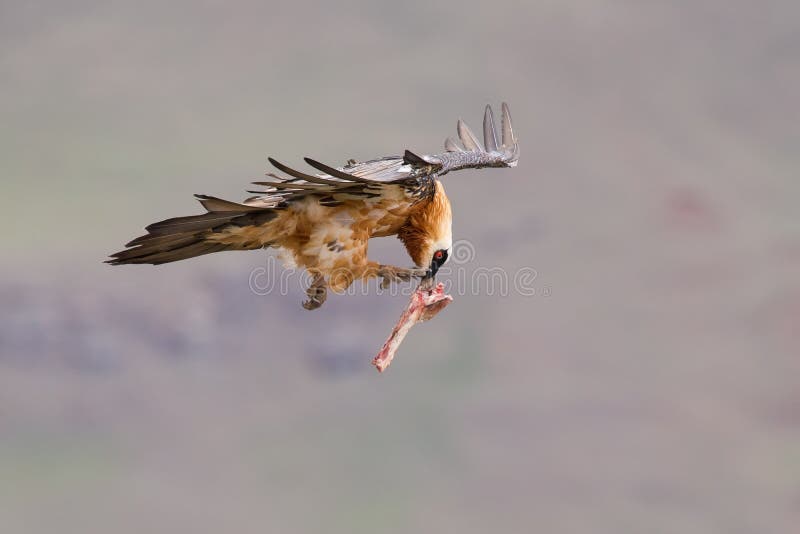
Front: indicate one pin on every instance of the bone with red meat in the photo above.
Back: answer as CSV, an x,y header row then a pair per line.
x,y
424,305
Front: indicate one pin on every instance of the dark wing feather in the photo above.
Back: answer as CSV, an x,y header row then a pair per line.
x,y
332,184
299,175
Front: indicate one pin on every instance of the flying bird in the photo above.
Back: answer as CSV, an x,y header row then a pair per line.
x,y
323,220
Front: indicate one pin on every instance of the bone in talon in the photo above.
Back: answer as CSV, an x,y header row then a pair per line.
x,y
425,303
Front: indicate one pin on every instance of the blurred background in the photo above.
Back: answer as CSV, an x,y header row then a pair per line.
x,y
649,384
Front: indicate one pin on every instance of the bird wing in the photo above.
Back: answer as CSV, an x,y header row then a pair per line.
x,y
411,172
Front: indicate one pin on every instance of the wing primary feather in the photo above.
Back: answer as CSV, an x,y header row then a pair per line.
x,y
508,132
468,138
290,185
489,135
301,175
217,204
336,173
452,146
413,159
191,222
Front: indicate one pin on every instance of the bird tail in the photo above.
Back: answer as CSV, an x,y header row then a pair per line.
x,y
181,238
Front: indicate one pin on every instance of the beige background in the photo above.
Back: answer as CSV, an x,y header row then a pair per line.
x,y
650,384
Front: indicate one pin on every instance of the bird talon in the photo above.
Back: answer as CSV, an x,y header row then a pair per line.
x,y
391,274
311,304
422,273
317,294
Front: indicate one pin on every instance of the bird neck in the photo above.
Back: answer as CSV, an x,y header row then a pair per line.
x,y
428,227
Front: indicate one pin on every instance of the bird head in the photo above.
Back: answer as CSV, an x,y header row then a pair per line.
x,y
428,235
435,254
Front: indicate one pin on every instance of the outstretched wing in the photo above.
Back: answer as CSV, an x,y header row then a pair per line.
x,y
473,156
411,172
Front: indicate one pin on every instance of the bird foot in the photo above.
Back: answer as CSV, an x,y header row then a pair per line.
x,y
317,294
390,273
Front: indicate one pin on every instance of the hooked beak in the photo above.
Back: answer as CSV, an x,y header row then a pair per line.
x,y
427,281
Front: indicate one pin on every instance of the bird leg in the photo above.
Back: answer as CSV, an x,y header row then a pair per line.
x,y
390,273
317,293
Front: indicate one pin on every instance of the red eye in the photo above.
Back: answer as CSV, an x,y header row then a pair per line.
x,y
438,255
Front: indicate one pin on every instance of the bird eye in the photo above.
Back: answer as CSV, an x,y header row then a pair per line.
x,y
438,254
